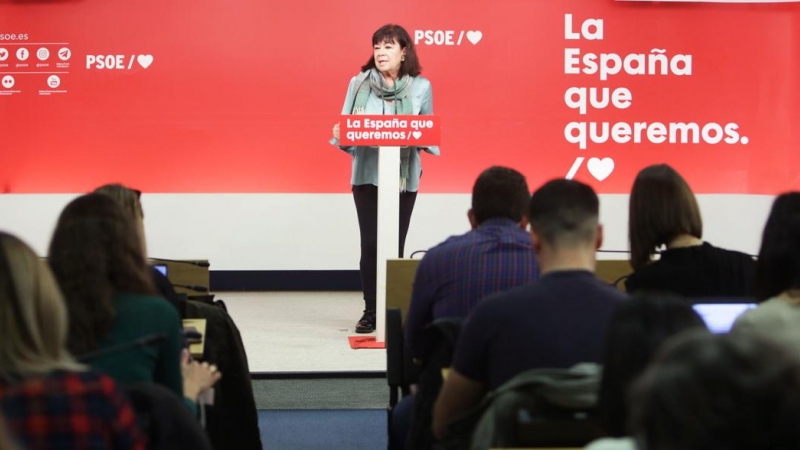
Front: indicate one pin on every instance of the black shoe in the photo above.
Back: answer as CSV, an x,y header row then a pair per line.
x,y
367,322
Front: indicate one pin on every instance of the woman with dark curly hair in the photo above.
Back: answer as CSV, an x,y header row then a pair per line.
x,y
390,82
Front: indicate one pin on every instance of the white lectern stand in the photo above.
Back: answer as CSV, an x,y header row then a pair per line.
x,y
388,226
389,134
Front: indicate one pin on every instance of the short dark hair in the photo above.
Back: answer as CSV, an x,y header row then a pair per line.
x,y
500,192
662,206
635,333
778,264
736,391
564,211
395,33
96,253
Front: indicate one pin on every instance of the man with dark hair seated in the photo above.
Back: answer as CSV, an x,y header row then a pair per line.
x,y
454,276
555,322
496,255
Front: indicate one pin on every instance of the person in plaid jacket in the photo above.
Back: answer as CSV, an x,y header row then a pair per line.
x,y
47,399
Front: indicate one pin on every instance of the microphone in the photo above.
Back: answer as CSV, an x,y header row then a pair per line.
x,y
192,287
143,341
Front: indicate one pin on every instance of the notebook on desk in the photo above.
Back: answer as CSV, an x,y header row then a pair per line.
x,y
199,325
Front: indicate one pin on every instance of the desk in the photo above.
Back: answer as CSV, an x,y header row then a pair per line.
x,y
399,283
400,279
192,272
610,270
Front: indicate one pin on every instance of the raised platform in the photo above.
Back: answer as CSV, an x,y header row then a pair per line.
x,y
302,334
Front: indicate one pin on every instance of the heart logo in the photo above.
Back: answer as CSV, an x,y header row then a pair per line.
x,y
417,134
474,36
601,168
144,60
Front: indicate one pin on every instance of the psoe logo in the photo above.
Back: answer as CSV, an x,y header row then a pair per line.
x,y
117,62
446,37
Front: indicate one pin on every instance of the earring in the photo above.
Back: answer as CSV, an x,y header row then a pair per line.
x,y
403,58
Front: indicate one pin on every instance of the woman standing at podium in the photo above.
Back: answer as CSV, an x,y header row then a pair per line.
x,y
389,83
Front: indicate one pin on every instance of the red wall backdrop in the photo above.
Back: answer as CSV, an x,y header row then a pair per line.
x,y
241,96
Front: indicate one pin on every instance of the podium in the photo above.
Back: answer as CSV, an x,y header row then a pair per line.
x,y
388,134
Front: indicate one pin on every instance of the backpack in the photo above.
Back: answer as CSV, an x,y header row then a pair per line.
x,y
537,408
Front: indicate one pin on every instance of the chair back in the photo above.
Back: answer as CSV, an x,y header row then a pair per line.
x,y
442,335
395,356
232,421
165,419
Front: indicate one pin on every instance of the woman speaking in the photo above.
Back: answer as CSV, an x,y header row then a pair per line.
x,y
389,83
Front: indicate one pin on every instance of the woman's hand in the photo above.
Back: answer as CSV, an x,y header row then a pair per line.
x,y
336,131
197,377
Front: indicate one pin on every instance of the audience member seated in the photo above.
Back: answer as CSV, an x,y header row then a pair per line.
x,y
718,391
637,330
495,256
664,213
98,259
455,275
47,399
555,322
130,200
777,281
233,419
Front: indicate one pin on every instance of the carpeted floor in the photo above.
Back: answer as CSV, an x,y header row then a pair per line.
x,y
291,334
317,394
327,414
331,429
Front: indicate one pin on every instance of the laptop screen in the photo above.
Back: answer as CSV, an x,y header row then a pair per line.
x,y
161,268
719,317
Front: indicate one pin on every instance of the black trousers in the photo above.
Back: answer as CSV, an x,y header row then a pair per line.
x,y
366,199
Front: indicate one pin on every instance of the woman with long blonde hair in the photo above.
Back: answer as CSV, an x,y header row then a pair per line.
x,y
38,373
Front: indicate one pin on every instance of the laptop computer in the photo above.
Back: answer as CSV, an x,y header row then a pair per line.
x,y
161,268
719,317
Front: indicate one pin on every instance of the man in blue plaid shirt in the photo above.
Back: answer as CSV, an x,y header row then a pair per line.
x,y
494,256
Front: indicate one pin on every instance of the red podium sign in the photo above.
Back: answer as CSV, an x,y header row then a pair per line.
x,y
400,130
